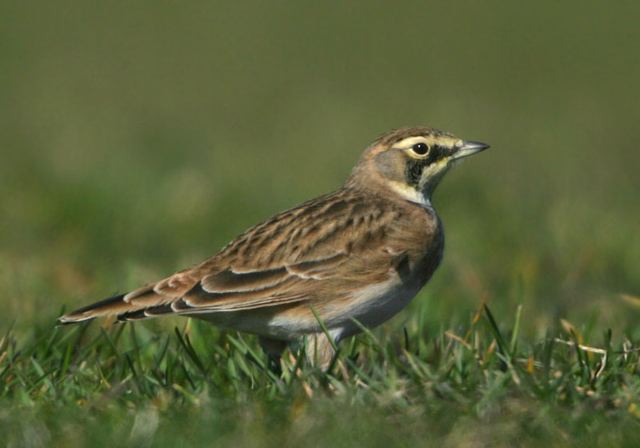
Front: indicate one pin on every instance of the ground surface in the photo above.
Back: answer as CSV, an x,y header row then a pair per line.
x,y
138,139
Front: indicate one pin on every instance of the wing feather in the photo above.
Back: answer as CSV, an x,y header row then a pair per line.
x,y
331,244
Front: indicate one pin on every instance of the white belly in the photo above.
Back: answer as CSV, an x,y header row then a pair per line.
x,y
370,306
373,305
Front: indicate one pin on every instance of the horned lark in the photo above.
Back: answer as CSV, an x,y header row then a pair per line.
x,y
354,256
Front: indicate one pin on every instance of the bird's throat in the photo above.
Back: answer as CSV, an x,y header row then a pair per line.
x,y
410,193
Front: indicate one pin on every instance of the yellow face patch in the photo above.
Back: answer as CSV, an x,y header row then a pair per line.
x,y
409,193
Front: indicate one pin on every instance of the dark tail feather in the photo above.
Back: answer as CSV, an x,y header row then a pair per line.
x,y
107,307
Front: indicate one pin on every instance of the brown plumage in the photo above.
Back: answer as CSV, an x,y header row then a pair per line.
x,y
360,253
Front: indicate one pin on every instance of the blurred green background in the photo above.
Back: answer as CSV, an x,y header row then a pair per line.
x,y
139,137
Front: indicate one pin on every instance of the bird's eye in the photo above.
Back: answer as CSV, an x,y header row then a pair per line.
x,y
420,149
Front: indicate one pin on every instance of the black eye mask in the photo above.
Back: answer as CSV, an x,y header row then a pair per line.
x,y
414,168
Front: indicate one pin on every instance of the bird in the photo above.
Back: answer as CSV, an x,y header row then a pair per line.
x,y
325,269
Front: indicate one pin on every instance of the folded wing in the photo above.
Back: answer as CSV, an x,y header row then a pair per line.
x,y
291,258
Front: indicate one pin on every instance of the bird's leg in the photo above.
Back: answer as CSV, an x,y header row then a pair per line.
x,y
320,350
273,348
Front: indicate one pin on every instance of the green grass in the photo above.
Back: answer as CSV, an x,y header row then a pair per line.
x,y
137,139
477,383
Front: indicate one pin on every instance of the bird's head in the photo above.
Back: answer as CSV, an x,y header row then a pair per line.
x,y
411,161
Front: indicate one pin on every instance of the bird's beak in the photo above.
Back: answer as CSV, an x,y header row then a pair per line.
x,y
468,148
